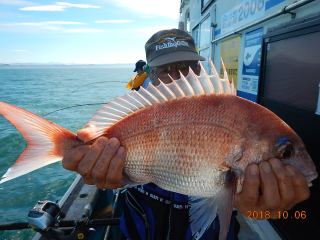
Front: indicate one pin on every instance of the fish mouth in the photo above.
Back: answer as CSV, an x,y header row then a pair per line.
x,y
311,177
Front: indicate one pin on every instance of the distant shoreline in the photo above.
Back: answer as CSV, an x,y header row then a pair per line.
x,y
12,66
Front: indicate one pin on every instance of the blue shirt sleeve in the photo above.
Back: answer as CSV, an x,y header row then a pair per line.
x,y
146,82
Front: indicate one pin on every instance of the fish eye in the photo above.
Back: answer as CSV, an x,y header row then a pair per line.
x,y
284,150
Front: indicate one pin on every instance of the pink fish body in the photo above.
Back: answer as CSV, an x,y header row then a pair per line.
x,y
192,136
183,144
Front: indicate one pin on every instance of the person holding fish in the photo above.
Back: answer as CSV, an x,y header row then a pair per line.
x,y
268,186
186,148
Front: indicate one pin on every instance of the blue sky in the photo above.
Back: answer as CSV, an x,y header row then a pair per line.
x,y
91,31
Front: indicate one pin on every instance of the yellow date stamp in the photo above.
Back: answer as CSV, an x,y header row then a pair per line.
x,y
281,215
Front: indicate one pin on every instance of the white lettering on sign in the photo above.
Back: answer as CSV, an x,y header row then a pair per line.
x,y
243,13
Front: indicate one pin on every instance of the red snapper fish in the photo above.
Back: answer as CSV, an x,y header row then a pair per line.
x,y
193,136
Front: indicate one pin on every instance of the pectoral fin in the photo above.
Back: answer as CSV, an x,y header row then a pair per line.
x,y
225,203
203,211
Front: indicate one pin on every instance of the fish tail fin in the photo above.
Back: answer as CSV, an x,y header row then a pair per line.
x,y
46,142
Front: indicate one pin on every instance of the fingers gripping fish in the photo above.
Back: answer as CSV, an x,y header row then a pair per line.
x,y
193,136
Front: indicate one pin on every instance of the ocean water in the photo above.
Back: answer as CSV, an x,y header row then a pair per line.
x,y
46,92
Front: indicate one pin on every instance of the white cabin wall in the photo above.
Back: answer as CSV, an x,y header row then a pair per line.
x,y
216,10
220,7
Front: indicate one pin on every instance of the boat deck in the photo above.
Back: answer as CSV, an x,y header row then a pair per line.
x,y
82,198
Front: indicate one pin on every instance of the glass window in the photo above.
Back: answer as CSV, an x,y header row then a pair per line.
x,y
292,71
206,54
204,2
196,38
205,33
188,21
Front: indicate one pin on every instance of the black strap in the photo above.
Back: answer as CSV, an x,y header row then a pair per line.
x,y
179,222
148,196
131,227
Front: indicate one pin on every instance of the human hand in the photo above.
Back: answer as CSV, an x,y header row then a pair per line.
x,y
282,187
100,163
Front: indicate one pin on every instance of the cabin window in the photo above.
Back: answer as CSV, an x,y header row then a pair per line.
x,y
202,37
205,4
292,74
195,35
188,22
205,33
206,54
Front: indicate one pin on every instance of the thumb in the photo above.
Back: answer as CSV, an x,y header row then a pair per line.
x,y
248,198
87,133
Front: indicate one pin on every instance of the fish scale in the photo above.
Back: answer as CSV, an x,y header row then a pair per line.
x,y
197,142
188,143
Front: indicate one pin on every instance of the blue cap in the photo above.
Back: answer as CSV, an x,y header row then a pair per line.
x,y
139,65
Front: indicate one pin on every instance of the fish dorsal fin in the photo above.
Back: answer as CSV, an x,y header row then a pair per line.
x,y
225,80
177,90
232,88
185,86
128,104
135,101
147,95
205,81
195,83
215,79
156,93
166,91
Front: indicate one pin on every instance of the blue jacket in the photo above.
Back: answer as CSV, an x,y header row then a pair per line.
x,y
152,213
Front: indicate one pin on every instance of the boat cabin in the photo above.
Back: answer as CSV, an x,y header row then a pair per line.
x,y
271,51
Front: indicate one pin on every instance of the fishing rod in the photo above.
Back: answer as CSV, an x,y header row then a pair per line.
x,y
79,105
83,104
63,223
47,219
93,83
